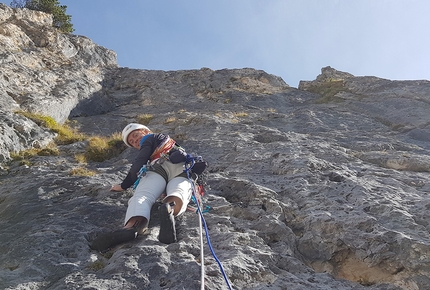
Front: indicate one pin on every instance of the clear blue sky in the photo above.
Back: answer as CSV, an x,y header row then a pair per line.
x,y
291,39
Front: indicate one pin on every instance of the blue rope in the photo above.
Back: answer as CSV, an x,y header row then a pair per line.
x,y
191,160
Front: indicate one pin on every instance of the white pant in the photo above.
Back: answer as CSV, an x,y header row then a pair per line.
x,y
152,185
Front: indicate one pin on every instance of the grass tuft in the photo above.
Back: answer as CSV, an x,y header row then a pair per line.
x,y
97,265
24,155
103,148
240,114
144,119
328,91
66,135
82,171
99,148
169,120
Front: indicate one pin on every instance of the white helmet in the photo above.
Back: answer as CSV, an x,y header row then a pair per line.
x,y
130,128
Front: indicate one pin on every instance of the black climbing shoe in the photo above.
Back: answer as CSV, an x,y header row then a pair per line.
x,y
108,240
167,224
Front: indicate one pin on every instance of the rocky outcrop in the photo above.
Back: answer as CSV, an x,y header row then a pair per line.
x,y
324,186
43,71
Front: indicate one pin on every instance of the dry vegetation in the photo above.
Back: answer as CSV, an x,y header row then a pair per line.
x,y
99,148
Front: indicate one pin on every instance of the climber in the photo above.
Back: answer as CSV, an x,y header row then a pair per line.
x,y
160,163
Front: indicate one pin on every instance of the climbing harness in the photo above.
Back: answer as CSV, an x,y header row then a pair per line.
x,y
163,149
191,160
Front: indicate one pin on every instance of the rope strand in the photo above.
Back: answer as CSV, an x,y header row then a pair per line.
x,y
188,166
202,263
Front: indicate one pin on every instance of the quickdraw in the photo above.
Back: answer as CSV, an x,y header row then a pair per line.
x,y
197,199
140,174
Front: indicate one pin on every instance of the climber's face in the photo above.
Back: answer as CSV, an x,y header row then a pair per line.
x,y
134,138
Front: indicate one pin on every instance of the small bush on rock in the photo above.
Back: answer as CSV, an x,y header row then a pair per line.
x,y
24,155
99,148
61,20
103,148
82,171
145,119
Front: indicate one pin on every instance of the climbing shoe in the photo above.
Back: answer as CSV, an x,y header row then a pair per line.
x,y
106,241
167,224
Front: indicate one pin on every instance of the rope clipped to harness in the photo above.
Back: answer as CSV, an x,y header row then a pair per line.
x,y
189,165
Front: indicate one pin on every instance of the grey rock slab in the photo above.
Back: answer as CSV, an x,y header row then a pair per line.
x,y
321,187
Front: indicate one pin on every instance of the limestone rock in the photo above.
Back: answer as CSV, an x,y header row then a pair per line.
x,y
321,187
43,71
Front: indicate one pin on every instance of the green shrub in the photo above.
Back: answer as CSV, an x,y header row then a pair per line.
x,y
61,20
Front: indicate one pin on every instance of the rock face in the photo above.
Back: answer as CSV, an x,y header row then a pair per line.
x,y
42,71
321,187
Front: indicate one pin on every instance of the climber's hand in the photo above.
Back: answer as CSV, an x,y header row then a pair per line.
x,y
116,187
